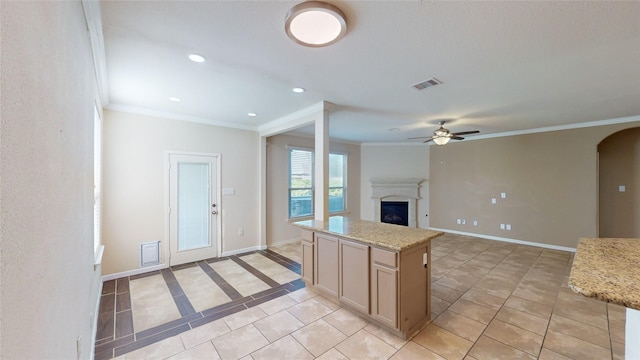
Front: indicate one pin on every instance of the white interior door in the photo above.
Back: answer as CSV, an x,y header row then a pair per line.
x,y
193,208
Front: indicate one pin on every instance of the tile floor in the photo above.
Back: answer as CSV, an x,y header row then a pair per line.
x,y
490,300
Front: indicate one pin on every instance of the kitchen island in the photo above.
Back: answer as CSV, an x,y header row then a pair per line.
x,y
383,271
607,269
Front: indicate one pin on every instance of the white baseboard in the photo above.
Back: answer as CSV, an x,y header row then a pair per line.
x,y
134,272
241,251
514,241
284,242
164,266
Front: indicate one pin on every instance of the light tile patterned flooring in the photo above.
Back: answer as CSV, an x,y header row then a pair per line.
x,y
491,300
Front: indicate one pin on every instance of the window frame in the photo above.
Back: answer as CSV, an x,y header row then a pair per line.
x,y
345,160
312,188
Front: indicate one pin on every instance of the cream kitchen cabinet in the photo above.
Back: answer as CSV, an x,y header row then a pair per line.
x,y
381,271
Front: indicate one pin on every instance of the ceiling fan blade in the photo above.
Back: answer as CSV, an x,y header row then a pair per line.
x,y
426,141
457,138
419,137
465,132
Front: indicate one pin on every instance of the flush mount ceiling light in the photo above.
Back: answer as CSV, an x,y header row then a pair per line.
x,y
174,99
197,58
298,90
315,24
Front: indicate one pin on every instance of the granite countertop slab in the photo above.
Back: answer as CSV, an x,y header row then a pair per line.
x,y
608,270
392,237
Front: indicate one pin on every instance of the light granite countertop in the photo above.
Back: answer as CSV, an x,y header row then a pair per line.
x,y
393,237
608,270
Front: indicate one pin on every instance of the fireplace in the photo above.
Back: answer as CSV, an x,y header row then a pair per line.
x,y
394,212
392,191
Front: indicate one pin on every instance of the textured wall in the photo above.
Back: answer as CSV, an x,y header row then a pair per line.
x,y
278,228
49,288
395,161
134,182
550,180
620,165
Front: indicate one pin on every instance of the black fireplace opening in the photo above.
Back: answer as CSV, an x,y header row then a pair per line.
x,y
394,212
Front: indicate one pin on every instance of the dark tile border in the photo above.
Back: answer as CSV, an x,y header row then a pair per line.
x,y
179,297
255,272
126,341
282,260
232,293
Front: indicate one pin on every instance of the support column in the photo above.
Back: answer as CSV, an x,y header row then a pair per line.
x,y
321,195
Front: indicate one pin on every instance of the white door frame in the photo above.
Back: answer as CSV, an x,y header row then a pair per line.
x,y
167,187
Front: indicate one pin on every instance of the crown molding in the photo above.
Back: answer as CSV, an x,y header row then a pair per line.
x,y
622,120
173,116
93,21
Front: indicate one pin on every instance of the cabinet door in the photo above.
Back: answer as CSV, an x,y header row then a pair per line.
x,y
354,275
415,288
384,294
326,264
307,262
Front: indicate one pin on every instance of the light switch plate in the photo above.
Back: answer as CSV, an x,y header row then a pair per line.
x,y
622,188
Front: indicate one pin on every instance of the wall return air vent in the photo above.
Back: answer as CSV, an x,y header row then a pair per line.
x,y
427,83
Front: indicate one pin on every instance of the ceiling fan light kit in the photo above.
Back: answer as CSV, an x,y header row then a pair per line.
x,y
442,136
315,24
441,140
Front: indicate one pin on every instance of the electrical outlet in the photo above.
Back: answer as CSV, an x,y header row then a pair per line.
x,y
475,222
503,195
501,226
508,227
464,222
240,231
459,221
494,201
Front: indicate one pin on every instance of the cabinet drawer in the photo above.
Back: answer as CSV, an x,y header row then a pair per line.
x,y
306,235
384,257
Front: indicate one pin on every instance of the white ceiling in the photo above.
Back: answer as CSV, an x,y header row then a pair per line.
x,y
505,66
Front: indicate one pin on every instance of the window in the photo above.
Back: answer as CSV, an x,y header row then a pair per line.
x,y
97,164
337,183
301,186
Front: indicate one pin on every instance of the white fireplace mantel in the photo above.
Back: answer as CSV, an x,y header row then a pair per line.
x,y
396,189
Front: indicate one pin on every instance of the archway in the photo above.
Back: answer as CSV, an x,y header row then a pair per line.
x,y
619,185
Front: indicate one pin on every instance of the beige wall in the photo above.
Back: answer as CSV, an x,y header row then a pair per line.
x,y
395,161
49,288
550,180
134,182
620,165
278,228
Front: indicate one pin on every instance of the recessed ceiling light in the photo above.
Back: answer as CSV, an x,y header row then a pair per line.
x,y
197,58
175,99
298,90
252,114
315,24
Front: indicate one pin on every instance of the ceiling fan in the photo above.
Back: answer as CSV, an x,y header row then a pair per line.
x,y
442,136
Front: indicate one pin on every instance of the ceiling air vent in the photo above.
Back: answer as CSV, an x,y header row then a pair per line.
x,y
427,83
